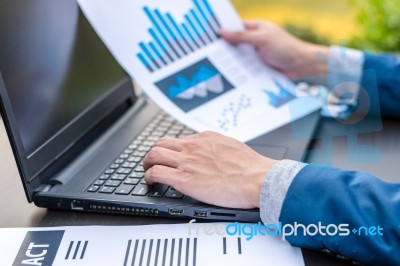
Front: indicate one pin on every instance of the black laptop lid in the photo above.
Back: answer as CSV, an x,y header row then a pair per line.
x,y
57,80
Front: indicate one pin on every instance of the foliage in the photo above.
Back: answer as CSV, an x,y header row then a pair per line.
x,y
380,25
306,34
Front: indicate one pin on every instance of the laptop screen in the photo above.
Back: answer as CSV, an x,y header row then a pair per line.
x,y
55,69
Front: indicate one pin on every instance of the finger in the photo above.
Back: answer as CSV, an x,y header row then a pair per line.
x,y
161,156
203,135
163,174
192,136
169,143
237,37
252,24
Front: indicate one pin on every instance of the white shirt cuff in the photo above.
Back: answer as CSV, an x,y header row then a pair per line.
x,y
344,65
275,187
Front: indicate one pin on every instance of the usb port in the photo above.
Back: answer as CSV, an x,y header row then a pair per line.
x,y
201,214
175,212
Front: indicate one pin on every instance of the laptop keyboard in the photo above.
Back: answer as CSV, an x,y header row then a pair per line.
x,y
125,175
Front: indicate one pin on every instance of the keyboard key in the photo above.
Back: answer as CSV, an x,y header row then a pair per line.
x,y
168,118
162,129
148,143
142,181
166,123
128,151
133,147
124,189
113,183
99,182
139,153
93,188
118,177
145,133
124,171
136,175
107,190
158,190
109,171
134,159
139,168
144,148
173,132
104,177
141,190
178,127
153,138
157,133
132,181
136,142
124,156
161,116
119,161
114,166
173,194
129,165
188,132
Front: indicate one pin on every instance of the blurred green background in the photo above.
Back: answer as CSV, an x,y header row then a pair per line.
x,y
364,24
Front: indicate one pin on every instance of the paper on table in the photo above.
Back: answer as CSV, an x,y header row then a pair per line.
x,y
173,51
141,245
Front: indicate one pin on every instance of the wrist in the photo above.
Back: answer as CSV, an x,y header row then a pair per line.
x,y
311,61
265,166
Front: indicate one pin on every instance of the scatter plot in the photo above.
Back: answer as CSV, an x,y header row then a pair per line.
x,y
230,115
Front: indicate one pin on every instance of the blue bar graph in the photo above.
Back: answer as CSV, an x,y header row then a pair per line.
x,y
172,40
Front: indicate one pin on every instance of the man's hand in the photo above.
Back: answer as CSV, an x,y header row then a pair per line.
x,y
209,167
280,50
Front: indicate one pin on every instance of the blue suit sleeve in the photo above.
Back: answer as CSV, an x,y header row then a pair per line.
x,y
386,72
332,196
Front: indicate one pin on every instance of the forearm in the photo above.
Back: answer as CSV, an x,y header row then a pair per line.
x,y
326,195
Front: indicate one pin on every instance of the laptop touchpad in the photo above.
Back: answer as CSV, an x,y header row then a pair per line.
x,y
274,152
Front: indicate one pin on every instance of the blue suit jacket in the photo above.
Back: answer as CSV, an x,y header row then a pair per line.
x,y
334,196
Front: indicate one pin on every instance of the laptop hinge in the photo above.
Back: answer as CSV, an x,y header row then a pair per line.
x,y
42,188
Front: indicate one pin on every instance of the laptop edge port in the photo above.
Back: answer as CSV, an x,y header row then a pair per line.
x,y
200,214
76,205
175,212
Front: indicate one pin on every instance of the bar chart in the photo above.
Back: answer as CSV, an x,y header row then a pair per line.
x,y
173,39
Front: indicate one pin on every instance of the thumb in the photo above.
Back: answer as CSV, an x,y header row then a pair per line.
x,y
236,37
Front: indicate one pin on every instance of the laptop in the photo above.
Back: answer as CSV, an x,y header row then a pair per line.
x,y
79,131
